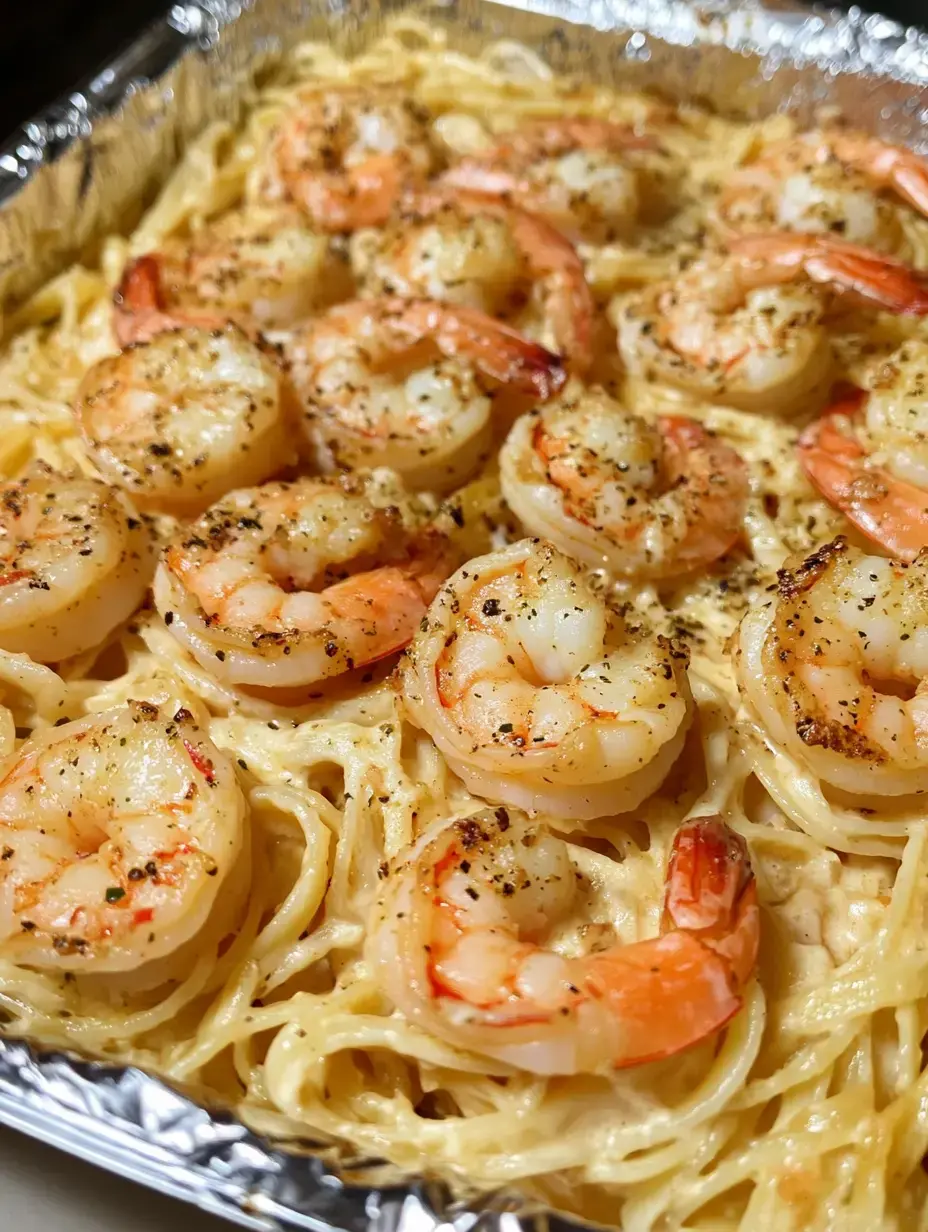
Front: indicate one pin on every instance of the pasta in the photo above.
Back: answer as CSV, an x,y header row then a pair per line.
x,y
808,1107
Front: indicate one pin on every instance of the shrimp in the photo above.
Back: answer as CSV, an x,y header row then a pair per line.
x,y
260,268
461,944
615,491
567,170
371,395
746,329
474,250
179,420
344,156
537,695
835,665
868,455
826,182
75,561
119,832
288,584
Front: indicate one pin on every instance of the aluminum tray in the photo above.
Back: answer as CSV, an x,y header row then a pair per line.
x,y
90,163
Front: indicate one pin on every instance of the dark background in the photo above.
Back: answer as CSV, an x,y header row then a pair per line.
x,y
46,46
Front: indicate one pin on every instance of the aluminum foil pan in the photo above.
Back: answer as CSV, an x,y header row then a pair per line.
x,y
90,163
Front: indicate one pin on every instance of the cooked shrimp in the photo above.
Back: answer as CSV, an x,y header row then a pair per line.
x,y
746,329
826,182
181,419
260,268
480,252
610,489
537,695
288,584
372,395
461,944
568,170
119,831
835,666
868,455
75,561
344,156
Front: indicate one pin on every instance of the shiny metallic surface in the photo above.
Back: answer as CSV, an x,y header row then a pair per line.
x,y
90,163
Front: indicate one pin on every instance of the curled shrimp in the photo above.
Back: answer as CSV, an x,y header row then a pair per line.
x,y
119,832
867,454
746,329
569,170
372,395
461,944
180,419
611,489
281,586
537,695
481,252
344,155
826,182
260,268
835,663
75,561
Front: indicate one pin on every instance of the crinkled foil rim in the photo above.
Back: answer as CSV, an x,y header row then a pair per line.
x,y
87,165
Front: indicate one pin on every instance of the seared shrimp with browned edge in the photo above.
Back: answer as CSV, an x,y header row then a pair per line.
x,y
538,695
406,384
868,454
644,500
461,943
747,329
573,171
481,252
260,268
834,665
345,154
75,561
119,833
288,584
180,419
832,182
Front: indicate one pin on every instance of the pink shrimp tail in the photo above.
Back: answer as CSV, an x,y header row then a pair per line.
x,y
686,985
877,279
889,511
502,353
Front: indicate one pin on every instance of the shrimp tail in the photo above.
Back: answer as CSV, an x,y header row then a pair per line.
x,y
711,894
139,302
500,352
874,278
698,968
889,511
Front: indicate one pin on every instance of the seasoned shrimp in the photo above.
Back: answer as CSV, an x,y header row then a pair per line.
x,y
461,944
868,455
284,585
261,268
537,696
826,182
644,500
474,250
75,561
835,664
372,395
344,155
568,170
746,329
179,420
119,831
